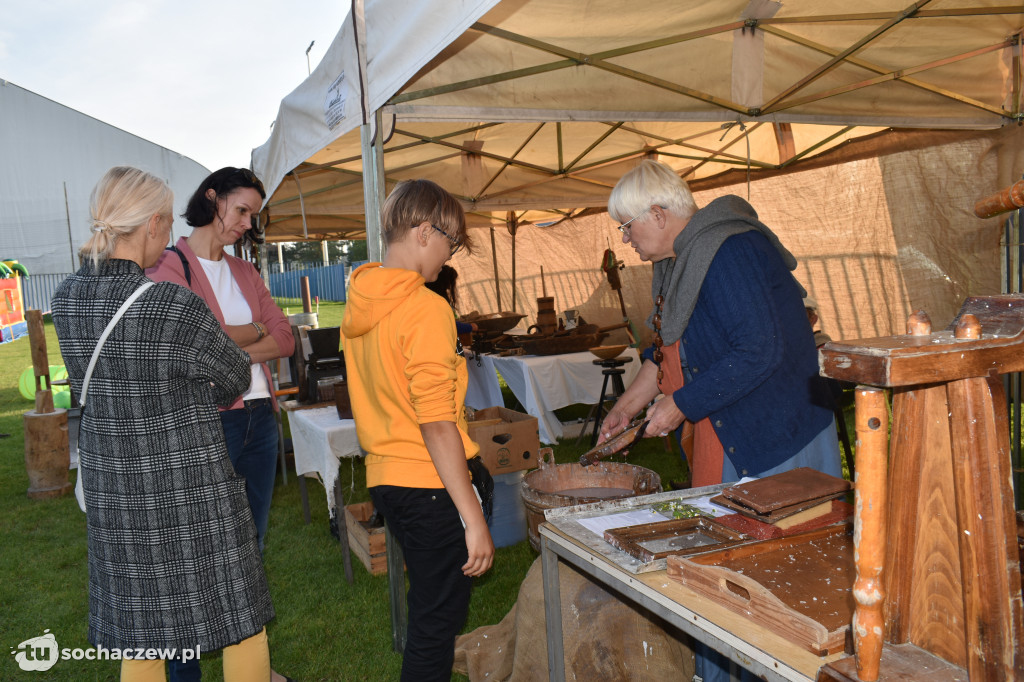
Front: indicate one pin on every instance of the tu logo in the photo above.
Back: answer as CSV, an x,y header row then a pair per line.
x,y
39,653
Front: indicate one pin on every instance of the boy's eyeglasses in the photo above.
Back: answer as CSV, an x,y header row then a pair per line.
x,y
455,244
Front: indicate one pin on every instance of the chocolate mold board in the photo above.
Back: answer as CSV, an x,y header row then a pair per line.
x,y
566,519
800,586
676,537
776,514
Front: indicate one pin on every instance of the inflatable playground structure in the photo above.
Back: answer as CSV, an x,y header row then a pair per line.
x,y
12,304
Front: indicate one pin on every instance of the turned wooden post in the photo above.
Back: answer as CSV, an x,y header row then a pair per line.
x,y
869,528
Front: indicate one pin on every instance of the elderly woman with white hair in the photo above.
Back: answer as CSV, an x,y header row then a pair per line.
x,y
174,563
733,351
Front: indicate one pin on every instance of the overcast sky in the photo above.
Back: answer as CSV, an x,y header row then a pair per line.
x,y
202,78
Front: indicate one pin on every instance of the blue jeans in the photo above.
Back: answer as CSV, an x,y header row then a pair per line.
x,y
426,525
251,435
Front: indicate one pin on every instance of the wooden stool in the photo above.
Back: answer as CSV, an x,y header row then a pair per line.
x,y
936,541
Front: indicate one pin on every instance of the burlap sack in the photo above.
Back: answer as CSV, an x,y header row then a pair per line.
x,y
605,638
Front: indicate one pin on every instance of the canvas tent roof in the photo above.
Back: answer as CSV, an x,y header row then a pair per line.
x,y
540,105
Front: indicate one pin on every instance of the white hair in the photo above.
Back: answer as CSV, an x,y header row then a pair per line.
x,y
650,184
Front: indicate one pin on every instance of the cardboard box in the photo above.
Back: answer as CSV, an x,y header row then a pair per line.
x,y
508,439
366,543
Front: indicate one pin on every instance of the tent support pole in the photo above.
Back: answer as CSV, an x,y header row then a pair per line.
x,y
302,205
494,261
512,223
373,184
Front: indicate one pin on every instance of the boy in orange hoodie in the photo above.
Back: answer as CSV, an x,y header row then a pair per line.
x,y
407,384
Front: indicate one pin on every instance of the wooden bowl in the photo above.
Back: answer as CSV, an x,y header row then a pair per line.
x,y
496,322
608,352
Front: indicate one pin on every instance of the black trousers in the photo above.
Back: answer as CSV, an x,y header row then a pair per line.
x,y
426,524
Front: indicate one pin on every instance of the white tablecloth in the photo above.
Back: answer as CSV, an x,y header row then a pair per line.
x,y
543,384
320,440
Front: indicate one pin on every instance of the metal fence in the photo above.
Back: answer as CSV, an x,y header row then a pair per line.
x,y
326,282
37,290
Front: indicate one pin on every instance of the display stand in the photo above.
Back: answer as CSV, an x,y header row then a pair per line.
x,y
939,585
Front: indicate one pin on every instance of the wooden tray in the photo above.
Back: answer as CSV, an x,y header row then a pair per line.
x,y
799,586
556,345
675,537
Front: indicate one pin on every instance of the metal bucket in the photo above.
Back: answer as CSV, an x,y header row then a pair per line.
x,y
563,485
298,319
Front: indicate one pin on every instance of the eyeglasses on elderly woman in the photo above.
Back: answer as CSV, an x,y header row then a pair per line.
x,y
625,229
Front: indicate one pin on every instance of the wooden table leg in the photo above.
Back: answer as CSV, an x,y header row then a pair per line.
x,y
987,529
869,528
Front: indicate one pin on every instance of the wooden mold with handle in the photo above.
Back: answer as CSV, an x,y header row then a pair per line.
x,y
938,586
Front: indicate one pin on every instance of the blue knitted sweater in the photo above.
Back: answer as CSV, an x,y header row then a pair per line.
x,y
751,363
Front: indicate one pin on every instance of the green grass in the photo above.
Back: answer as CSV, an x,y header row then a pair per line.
x,y
325,629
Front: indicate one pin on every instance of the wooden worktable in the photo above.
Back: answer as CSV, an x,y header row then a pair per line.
x,y
752,646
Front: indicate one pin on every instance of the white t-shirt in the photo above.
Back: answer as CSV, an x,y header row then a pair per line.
x,y
236,311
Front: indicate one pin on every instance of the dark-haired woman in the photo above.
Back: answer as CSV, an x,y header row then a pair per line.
x,y
221,210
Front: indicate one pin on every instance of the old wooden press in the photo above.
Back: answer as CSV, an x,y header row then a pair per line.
x,y
47,457
938,589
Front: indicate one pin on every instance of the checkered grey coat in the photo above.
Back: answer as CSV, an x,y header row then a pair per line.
x,y
173,559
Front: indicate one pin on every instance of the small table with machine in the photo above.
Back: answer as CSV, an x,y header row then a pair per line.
x,y
320,439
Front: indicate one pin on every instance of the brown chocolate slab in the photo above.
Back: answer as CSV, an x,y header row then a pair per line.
x,y
786,489
777,514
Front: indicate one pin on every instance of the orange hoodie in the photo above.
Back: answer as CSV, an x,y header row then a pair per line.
x,y
403,371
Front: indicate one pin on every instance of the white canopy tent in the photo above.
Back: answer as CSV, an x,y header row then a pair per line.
x,y
539,106
52,158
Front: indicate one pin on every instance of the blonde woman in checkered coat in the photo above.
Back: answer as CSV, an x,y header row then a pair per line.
x,y
173,557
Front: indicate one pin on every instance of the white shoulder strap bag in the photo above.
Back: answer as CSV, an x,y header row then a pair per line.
x,y
79,493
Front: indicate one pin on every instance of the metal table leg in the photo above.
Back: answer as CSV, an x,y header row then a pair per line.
x,y
339,510
552,611
304,495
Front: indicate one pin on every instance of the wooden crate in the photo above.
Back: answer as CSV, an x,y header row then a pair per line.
x,y
367,544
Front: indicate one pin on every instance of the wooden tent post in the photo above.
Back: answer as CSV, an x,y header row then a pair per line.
x,y
512,223
494,261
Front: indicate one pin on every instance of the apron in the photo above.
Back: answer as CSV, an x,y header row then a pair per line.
x,y
699,441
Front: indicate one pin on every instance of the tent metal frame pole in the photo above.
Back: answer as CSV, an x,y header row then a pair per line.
x,y
373,185
899,75
817,73
302,206
864,64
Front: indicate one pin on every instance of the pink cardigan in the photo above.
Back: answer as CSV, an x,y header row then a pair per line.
x,y
169,269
